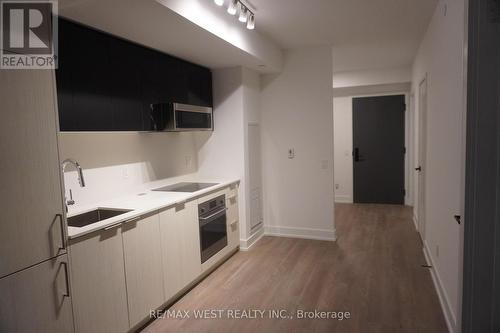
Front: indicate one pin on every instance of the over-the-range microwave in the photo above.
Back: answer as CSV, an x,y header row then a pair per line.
x,y
176,117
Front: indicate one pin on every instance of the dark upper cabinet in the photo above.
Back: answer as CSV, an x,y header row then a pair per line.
x,y
199,85
125,90
82,80
174,79
149,84
105,83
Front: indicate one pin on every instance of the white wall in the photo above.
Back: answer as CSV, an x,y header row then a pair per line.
x,y
221,154
224,153
368,77
297,113
116,162
343,175
440,56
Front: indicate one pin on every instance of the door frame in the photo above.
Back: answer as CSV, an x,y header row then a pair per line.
x,y
408,183
421,160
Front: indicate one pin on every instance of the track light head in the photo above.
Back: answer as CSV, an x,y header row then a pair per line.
x,y
251,22
233,7
219,2
243,14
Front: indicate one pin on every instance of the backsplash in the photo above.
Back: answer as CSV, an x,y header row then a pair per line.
x,y
114,164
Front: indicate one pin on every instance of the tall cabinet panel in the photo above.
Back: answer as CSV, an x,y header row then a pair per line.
x,y
36,300
32,227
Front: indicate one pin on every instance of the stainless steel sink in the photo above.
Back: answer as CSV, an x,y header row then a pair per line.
x,y
185,187
94,216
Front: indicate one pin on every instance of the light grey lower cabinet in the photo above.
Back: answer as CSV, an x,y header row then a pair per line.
x,y
98,283
180,240
37,299
143,267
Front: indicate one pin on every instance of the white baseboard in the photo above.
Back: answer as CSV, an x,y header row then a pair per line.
x,y
246,244
449,316
415,221
343,199
307,233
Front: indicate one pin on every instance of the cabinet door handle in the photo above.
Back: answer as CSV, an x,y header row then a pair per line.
x,y
132,220
112,226
66,279
63,238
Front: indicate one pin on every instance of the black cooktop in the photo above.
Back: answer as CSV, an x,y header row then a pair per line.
x,y
185,187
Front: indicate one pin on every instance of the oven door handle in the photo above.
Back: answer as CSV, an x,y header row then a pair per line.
x,y
212,215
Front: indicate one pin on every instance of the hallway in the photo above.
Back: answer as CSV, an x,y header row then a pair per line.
x,y
373,271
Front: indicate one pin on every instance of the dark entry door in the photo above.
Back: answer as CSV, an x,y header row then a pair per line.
x,y
379,149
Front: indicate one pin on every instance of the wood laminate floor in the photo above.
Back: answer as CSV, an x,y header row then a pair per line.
x,y
372,271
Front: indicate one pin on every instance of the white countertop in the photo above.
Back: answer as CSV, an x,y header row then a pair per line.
x,y
142,201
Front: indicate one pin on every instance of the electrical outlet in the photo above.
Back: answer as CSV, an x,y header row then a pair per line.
x,y
291,153
437,251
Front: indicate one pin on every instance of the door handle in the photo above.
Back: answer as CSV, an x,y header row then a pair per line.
x,y
419,168
63,238
356,154
357,157
66,279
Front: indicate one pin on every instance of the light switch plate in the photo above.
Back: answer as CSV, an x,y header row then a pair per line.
x,y
291,153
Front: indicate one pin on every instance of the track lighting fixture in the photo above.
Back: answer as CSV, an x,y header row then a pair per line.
x,y
251,22
245,14
233,7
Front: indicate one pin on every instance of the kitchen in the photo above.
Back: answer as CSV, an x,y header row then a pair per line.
x,y
131,243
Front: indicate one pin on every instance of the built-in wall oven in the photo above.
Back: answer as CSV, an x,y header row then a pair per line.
x,y
213,231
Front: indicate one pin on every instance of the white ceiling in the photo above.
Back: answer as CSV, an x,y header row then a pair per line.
x,y
298,23
364,33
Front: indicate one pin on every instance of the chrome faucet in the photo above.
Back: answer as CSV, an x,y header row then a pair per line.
x,y
81,180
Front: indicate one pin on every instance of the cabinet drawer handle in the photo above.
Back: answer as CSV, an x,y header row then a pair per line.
x,y
61,226
112,226
132,220
66,279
